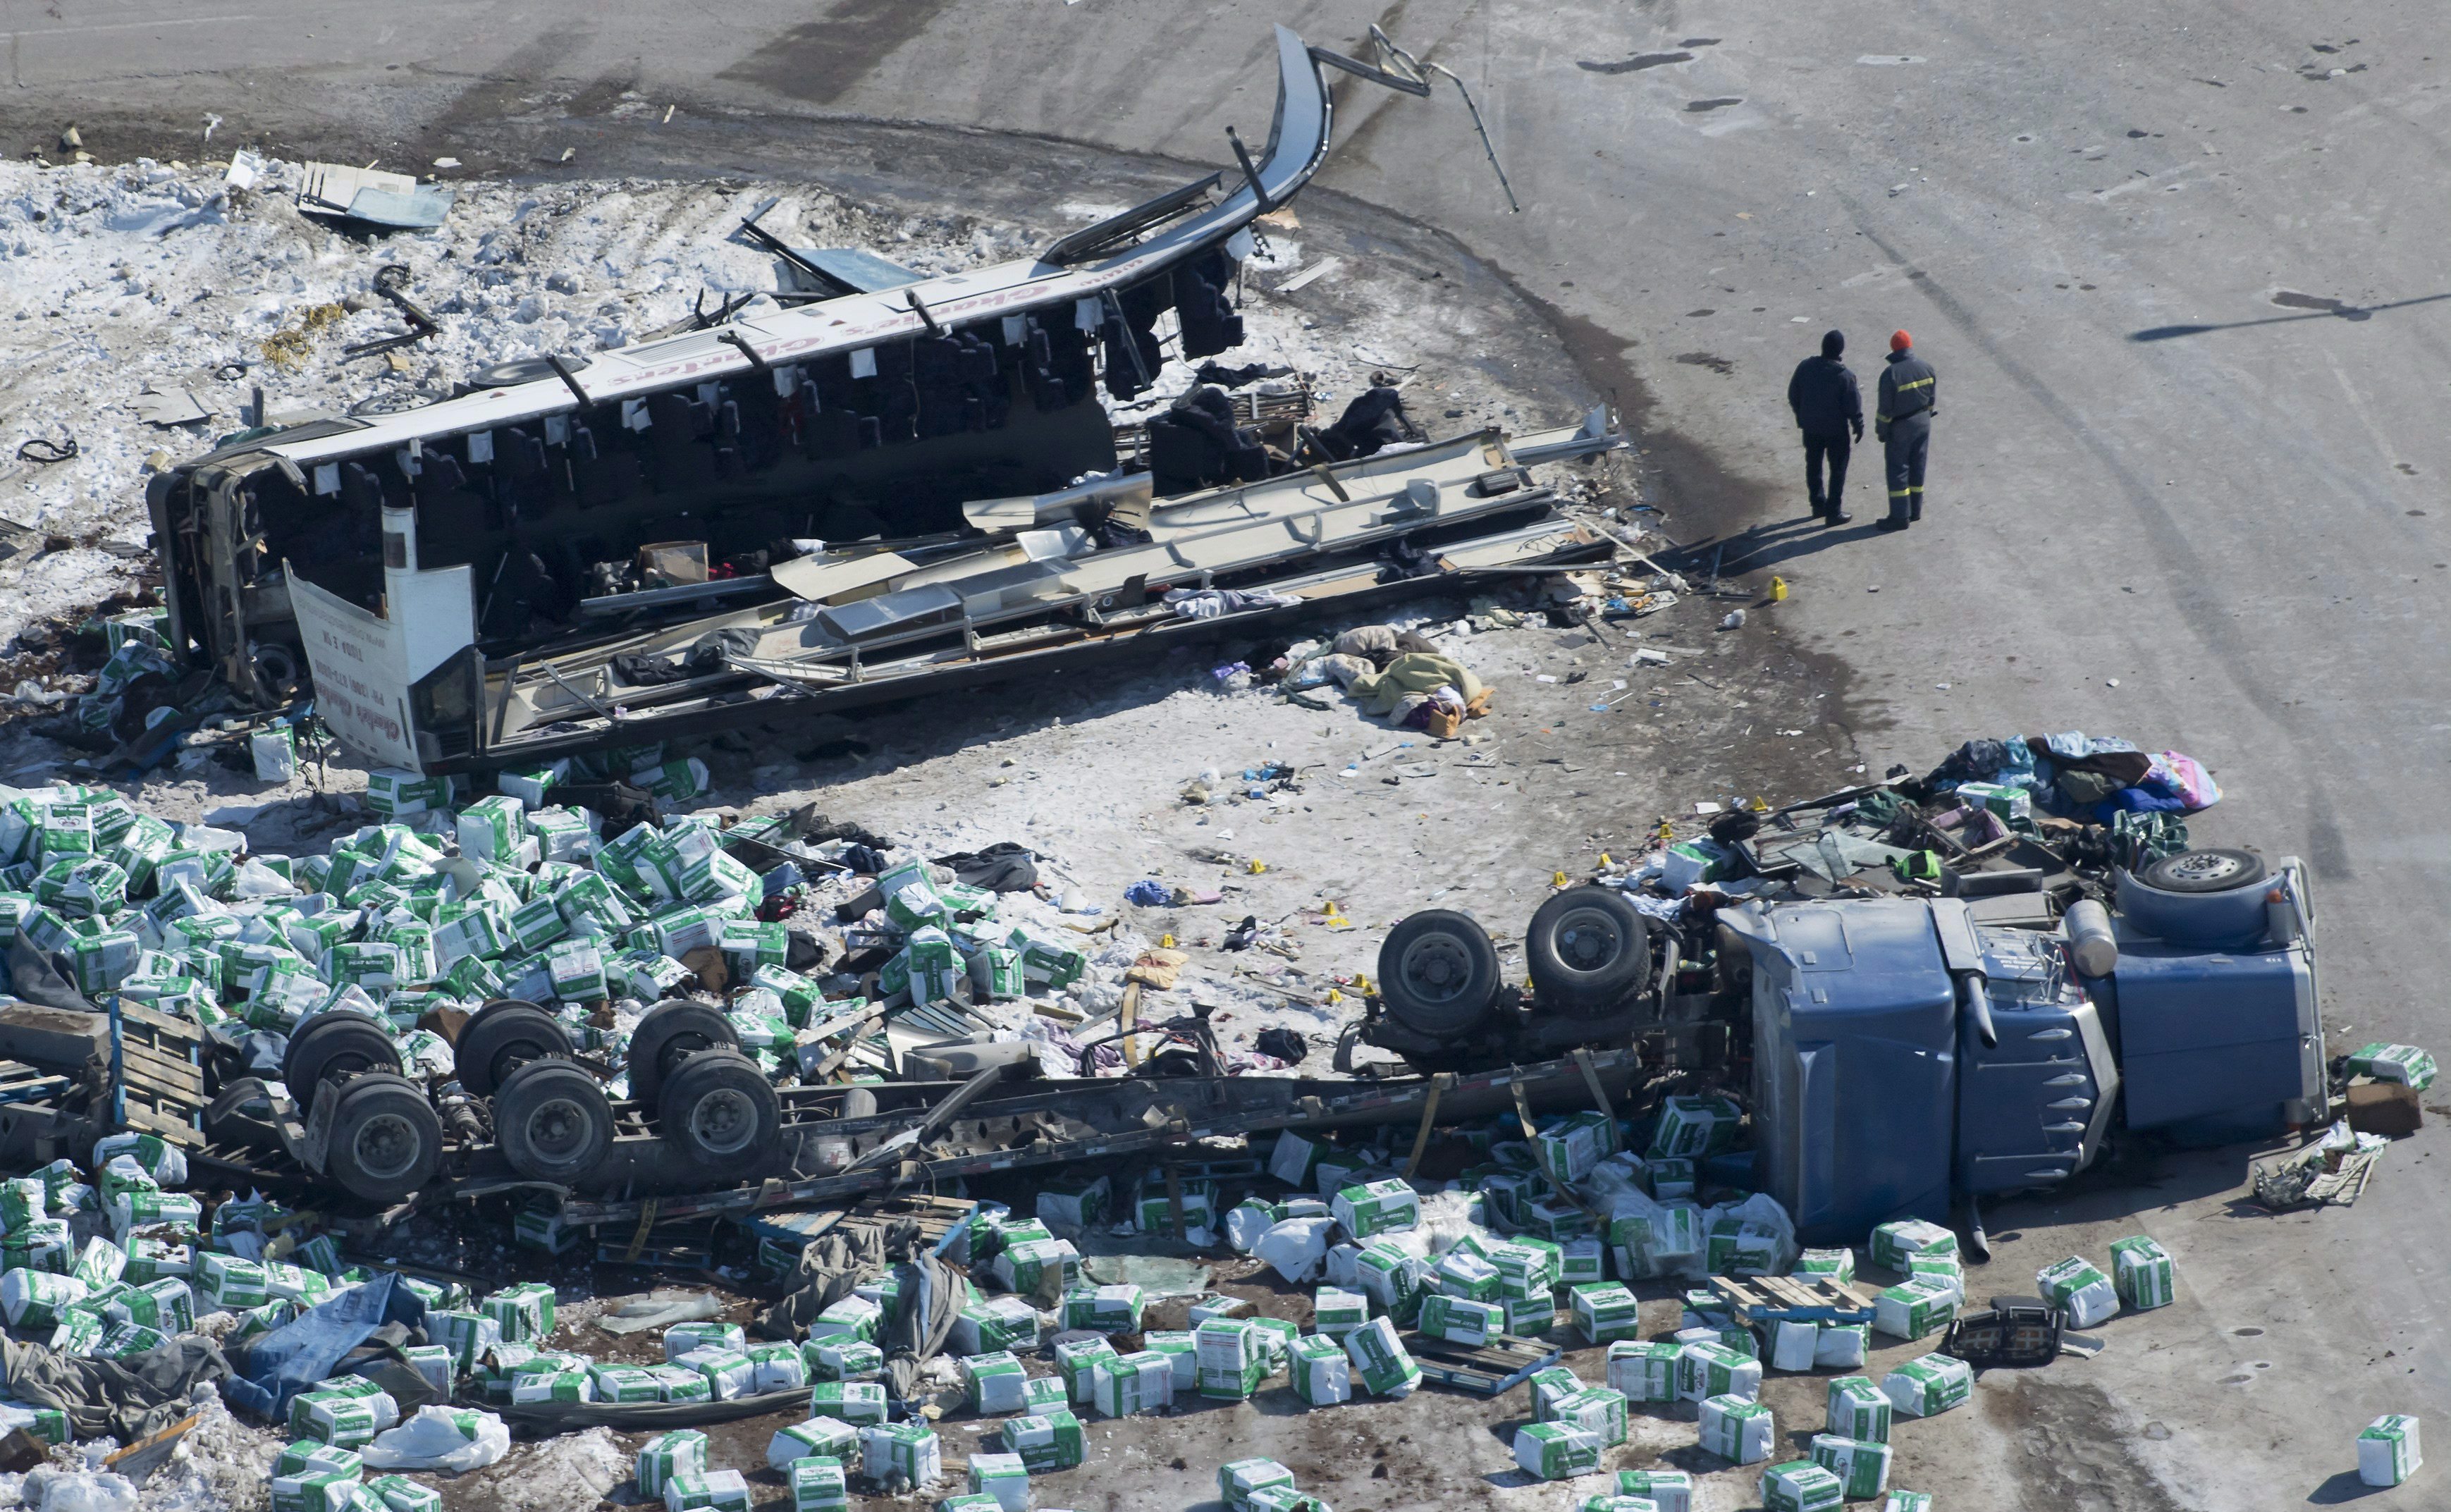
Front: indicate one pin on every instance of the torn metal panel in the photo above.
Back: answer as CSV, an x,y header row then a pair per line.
x,y
391,200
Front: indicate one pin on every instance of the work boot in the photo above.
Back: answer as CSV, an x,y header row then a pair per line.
x,y
1885,523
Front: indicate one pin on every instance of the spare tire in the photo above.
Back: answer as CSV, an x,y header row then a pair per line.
x,y
553,1120
504,1035
1588,949
2208,871
722,1111
669,1034
386,1140
1438,974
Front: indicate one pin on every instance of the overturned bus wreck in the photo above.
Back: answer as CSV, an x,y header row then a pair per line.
x,y
459,578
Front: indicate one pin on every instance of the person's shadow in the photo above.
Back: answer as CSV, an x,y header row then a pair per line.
x,y
1766,546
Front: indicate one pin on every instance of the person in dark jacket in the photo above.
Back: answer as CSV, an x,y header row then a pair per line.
x,y
1910,396
1827,406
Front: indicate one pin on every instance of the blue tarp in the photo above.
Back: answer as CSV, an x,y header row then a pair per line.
x,y
293,1356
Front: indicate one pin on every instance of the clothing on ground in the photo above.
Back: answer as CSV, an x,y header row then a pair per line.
x,y
1382,693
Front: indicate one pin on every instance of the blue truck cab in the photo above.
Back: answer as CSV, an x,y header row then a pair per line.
x,y
1906,1054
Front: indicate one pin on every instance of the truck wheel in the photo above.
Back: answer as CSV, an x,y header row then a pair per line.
x,y
670,1033
2215,871
1588,949
553,1120
1438,972
333,1047
504,1035
386,1140
722,1110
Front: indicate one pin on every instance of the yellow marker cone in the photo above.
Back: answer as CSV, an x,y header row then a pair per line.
x,y
1257,866
1778,589
1361,983
1166,942
1604,859
1558,879
1335,996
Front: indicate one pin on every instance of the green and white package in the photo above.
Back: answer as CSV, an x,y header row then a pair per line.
x,y
1800,1486
1917,1306
817,1485
1461,1321
1928,1386
2387,1450
859,1403
683,1337
1037,1267
2142,1272
1046,1394
1596,1410
1004,1477
1858,1409
1103,1309
35,1298
996,1322
1046,1441
1895,1243
1907,1502
1077,1361
522,1312
779,1366
1706,1369
1667,1490
1570,1147
707,1491
1862,1466
1237,1480
1644,1371
1551,1385
996,1382
1183,1348
1838,1265
1605,1313
827,1437
398,1493
2083,1294
1736,1429
1376,1207
900,1451
1140,1382
1232,1358
1554,1452
1843,1346
1336,1312
1379,1359
1323,1374
613,1383
315,1491
2405,1064
1690,1128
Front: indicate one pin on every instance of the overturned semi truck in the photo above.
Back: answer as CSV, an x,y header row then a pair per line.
x,y
432,567
1902,1056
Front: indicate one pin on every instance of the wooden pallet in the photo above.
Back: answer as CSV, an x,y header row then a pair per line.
x,y
162,1075
1793,1299
21,1083
1486,1369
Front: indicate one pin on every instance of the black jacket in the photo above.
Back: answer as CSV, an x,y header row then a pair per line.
x,y
1908,387
1825,398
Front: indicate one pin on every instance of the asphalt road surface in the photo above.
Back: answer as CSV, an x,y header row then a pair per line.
x,y
2178,267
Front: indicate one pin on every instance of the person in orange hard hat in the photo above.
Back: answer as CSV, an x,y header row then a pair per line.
x,y
1910,393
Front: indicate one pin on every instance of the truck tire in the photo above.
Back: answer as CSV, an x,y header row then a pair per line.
x,y
1438,974
1588,949
2209,870
669,1034
504,1035
553,1120
334,1046
385,1139
722,1111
